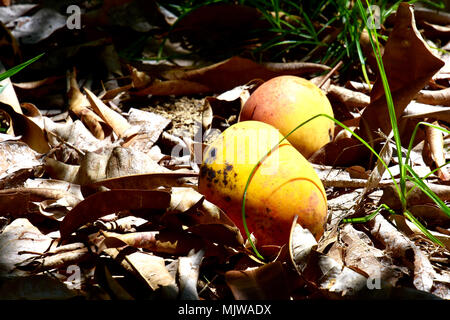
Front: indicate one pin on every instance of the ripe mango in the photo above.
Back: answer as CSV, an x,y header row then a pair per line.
x,y
287,101
284,185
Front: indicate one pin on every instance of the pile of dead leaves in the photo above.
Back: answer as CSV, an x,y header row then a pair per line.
x,y
100,201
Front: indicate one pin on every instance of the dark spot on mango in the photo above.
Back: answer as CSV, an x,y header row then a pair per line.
x,y
212,153
203,170
207,172
211,174
211,156
227,198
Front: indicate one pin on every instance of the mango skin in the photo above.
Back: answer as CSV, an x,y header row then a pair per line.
x,y
284,185
287,101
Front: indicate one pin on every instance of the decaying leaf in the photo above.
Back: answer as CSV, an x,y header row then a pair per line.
x,y
431,214
173,87
436,97
316,268
268,282
223,76
116,121
78,104
7,94
139,79
421,111
359,252
340,153
19,241
31,133
189,269
145,181
331,277
31,30
103,203
23,201
16,155
146,130
351,99
415,196
75,135
111,163
435,142
62,257
301,242
164,241
403,249
152,269
406,224
409,65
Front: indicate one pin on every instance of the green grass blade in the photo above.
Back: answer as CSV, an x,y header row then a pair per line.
x,y
413,136
425,189
9,73
422,228
369,216
373,37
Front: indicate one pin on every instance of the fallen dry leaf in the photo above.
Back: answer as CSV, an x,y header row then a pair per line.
x,y
103,203
340,153
430,214
433,31
421,111
360,252
409,65
268,282
39,26
20,202
116,121
16,155
188,270
31,133
61,257
351,99
145,181
435,142
415,196
323,272
403,249
111,163
152,269
164,241
172,87
445,239
8,95
432,16
146,129
75,135
139,79
78,104
224,76
358,86
19,241
434,97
